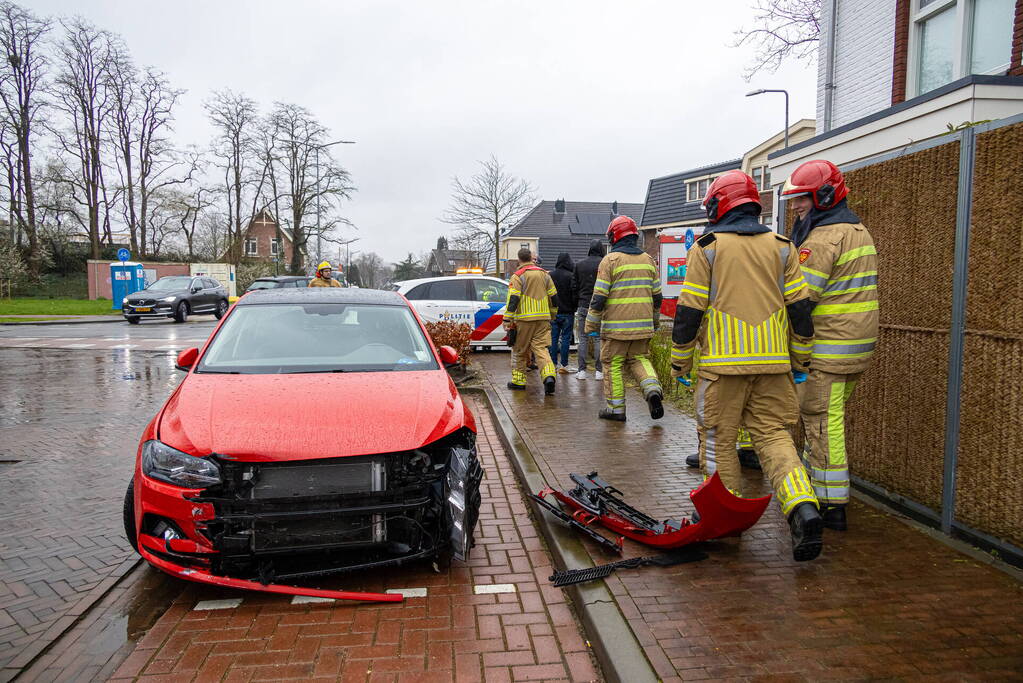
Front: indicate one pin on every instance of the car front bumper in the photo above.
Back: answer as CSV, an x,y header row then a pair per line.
x,y
157,311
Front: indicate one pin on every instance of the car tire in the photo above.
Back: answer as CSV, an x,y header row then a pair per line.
x,y
132,319
221,309
130,532
442,561
181,312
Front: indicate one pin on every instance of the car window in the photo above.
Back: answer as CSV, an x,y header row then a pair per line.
x,y
171,283
261,284
419,292
449,290
210,284
296,338
489,291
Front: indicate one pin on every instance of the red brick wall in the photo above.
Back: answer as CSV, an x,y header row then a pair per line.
x,y
651,245
99,275
1016,63
901,61
263,233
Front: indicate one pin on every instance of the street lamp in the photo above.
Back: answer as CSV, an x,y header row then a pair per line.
x,y
316,148
779,202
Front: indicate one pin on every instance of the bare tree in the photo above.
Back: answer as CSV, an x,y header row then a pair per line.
x,y
310,180
21,81
82,94
374,273
235,117
190,206
781,29
487,204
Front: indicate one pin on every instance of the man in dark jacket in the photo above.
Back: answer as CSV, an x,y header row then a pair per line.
x,y
583,277
561,326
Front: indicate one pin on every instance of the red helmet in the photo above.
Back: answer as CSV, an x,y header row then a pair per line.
x,y
729,190
620,227
821,180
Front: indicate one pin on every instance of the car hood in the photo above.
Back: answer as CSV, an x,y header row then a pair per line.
x,y
300,417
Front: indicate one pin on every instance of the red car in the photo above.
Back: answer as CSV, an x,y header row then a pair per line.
x,y
316,432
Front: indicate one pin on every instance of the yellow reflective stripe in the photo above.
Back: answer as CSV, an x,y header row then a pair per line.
x,y
815,288
837,309
836,424
696,286
700,295
843,355
843,342
814,272
552,291
628,300
839,292
512,290
634,266
865,273
856,253
800,346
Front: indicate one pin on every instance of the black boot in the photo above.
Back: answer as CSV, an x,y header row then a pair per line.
x,y
548,386
834,517
608,414
748,458
807,529
516,387
653,401
693,460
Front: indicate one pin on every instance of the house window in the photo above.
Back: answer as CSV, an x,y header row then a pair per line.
x,y
697,190
767,179
954,38
275,247
250,246
758,176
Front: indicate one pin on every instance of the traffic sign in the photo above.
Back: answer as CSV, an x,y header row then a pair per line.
x,y
690,238
123,254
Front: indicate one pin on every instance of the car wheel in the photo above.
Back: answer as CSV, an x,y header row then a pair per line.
x,y
181,313
132,319
442,561
221,309
129,516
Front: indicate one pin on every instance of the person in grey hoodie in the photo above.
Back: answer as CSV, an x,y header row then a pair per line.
x,y
583,277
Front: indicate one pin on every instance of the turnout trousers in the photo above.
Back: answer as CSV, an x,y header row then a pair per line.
x,y
822,399
620,355
766,405
533,337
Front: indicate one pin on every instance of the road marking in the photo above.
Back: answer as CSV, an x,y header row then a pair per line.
x,y
494,588
226,603
308,600
124,346
77,346
408,592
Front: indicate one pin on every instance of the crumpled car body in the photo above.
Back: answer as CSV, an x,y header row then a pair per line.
x,y
305,476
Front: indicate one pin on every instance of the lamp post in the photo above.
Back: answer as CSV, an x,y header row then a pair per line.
x,y
316,147
778,202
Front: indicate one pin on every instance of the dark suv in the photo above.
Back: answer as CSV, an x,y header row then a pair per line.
x,y
279,281
176,296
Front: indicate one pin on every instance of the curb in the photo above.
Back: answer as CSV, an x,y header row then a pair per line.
x,y
72,321
617,649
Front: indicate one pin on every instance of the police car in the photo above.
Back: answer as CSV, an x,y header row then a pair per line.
x,y
468,297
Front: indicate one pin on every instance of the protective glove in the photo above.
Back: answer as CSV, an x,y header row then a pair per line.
x,y
798,376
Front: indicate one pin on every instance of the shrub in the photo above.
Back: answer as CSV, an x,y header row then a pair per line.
x,y
660,358
455,335
12,267
246,272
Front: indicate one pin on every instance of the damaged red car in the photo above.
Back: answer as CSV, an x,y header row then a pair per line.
x,y
317,432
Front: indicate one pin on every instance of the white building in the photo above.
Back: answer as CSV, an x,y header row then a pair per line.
x,y
894,73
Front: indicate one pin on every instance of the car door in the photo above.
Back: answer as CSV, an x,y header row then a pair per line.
x,y
202,302
489,300
445,300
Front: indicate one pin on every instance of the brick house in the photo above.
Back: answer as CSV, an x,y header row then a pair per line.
x,y
260,241
892,73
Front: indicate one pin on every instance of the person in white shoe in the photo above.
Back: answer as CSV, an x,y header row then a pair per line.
x,y
583,277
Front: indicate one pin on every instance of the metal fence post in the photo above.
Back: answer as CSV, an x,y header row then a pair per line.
x,y
957,330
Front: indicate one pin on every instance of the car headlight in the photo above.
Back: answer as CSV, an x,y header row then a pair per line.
x,y
124,301
160,461
168,299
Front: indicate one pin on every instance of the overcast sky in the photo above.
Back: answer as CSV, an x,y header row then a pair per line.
x,y
586,100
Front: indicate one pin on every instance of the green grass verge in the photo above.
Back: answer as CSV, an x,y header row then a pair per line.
x,y
4,319
660,357
32,306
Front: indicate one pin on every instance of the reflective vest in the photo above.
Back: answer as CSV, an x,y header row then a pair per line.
x,y
839,262
533,287
626,297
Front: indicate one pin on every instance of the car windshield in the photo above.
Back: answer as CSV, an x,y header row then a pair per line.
x,y
169,284
264,284
297,338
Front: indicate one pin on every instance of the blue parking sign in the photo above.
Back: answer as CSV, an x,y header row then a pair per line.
x,y
123,254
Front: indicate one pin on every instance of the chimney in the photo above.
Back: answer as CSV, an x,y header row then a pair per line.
x,y
559,206
614,207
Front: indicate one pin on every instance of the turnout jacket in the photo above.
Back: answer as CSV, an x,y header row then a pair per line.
x,y
626,295
743,283
839,262
318,281
531,296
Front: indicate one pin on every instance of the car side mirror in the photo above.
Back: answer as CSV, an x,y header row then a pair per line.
x,y
186,359
448,356
196,290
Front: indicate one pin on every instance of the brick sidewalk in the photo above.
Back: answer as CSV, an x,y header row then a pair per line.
x,y
884,600
69,427
495,619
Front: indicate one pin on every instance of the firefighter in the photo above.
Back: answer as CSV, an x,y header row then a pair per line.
x,y
532,304
323,278
623,311
745,300
839,262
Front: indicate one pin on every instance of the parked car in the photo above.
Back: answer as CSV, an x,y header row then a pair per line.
x,y
279,281
176,296
367,457
474,299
